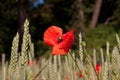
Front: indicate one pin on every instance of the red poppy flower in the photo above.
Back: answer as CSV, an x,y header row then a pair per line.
x,y
98,68
79,74
67,77
60,42
29,63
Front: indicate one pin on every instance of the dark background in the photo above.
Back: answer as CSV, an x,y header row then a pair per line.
x,y
62,13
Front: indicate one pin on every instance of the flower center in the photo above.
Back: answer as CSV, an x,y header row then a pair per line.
x,y
60,38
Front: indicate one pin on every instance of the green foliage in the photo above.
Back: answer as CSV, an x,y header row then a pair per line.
x,y
96,38
41,49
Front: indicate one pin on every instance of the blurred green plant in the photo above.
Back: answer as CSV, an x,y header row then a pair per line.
x,y
96,38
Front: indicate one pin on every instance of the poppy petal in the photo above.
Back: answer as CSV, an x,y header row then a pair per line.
x,y
65,45
58,51
68,40
98,68
51,35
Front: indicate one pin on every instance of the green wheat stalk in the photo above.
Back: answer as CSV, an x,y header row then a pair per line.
x,y
17,76
106,71
94,57
4,71
55,67
50,66
60,68
30,75
66,66
113,66
14,53
102,61
117,60
118,40
43,73
25,44
80,47
108,57
31,45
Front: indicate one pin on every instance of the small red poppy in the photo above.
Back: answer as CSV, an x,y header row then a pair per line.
x,y
79,74
98,68
67,78
60,42
29,63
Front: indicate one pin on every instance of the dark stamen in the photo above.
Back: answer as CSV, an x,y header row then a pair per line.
x,y
60,38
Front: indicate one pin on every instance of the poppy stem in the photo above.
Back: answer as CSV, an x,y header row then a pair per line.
x,y
40,70
89,59
92,64
75,61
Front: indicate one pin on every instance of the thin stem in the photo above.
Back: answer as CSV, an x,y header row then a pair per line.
x,y
91,62
40,70
75,61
